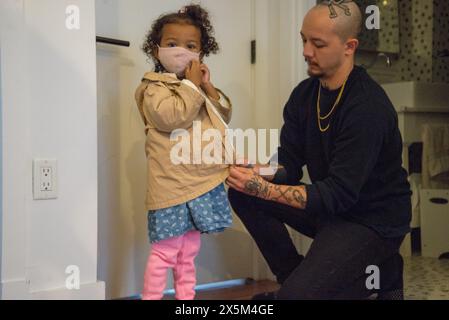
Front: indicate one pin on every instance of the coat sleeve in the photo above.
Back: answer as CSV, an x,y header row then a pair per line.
x,y
171,108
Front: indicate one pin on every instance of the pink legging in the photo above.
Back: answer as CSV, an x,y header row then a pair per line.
x,y
178,253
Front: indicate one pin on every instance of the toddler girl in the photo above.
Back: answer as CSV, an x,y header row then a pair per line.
x,y
188,198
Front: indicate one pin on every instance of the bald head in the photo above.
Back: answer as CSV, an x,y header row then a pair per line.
x,y
329,35
345,15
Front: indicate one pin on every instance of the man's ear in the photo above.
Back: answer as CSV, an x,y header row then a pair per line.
x,y
351,46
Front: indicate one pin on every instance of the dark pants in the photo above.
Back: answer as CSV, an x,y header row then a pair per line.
x,y
335,266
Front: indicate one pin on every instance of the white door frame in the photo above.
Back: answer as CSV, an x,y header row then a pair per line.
x,y
279,68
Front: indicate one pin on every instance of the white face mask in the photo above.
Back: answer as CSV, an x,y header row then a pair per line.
x,y
176,59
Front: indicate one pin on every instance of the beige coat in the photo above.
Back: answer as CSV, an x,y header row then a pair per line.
x,y
166,104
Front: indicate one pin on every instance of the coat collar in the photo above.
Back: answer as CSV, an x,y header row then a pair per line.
x,y
163,77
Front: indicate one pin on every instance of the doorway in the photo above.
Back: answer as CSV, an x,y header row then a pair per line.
x,y
123,243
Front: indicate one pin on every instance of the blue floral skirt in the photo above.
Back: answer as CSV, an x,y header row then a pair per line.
x,y
209,213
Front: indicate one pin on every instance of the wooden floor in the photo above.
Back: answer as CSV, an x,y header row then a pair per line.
x,y
243,292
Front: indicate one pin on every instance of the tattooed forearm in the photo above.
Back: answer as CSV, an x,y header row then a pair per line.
x,y
281,193
292,196
299,198
258,187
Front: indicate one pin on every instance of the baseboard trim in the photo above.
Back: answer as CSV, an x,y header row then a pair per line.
x,y
14,290
19,290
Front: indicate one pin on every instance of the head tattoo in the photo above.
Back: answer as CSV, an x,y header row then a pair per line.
x,y
340,4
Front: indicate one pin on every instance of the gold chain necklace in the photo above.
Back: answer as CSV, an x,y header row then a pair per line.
x,y
319,117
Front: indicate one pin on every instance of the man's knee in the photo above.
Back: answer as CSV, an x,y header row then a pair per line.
x,y
392,271
240,202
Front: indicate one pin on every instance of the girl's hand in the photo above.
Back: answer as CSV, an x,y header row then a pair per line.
x,y
194,74
206,85
206,74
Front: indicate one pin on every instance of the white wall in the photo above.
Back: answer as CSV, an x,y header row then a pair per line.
x,y
1,162
13,239
49,111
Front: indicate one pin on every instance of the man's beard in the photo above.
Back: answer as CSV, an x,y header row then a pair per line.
x,y
315,74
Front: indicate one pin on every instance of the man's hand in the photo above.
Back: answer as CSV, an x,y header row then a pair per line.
x,y
257,168
248,181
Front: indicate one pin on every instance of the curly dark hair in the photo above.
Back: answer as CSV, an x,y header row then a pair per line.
x,y
193,15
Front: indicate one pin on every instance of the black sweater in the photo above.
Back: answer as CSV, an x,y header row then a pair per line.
x,y
355,166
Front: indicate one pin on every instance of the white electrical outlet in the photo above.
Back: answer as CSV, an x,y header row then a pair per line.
x,y
44,179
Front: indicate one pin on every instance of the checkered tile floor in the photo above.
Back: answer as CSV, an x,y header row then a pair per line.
x,y
426,278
